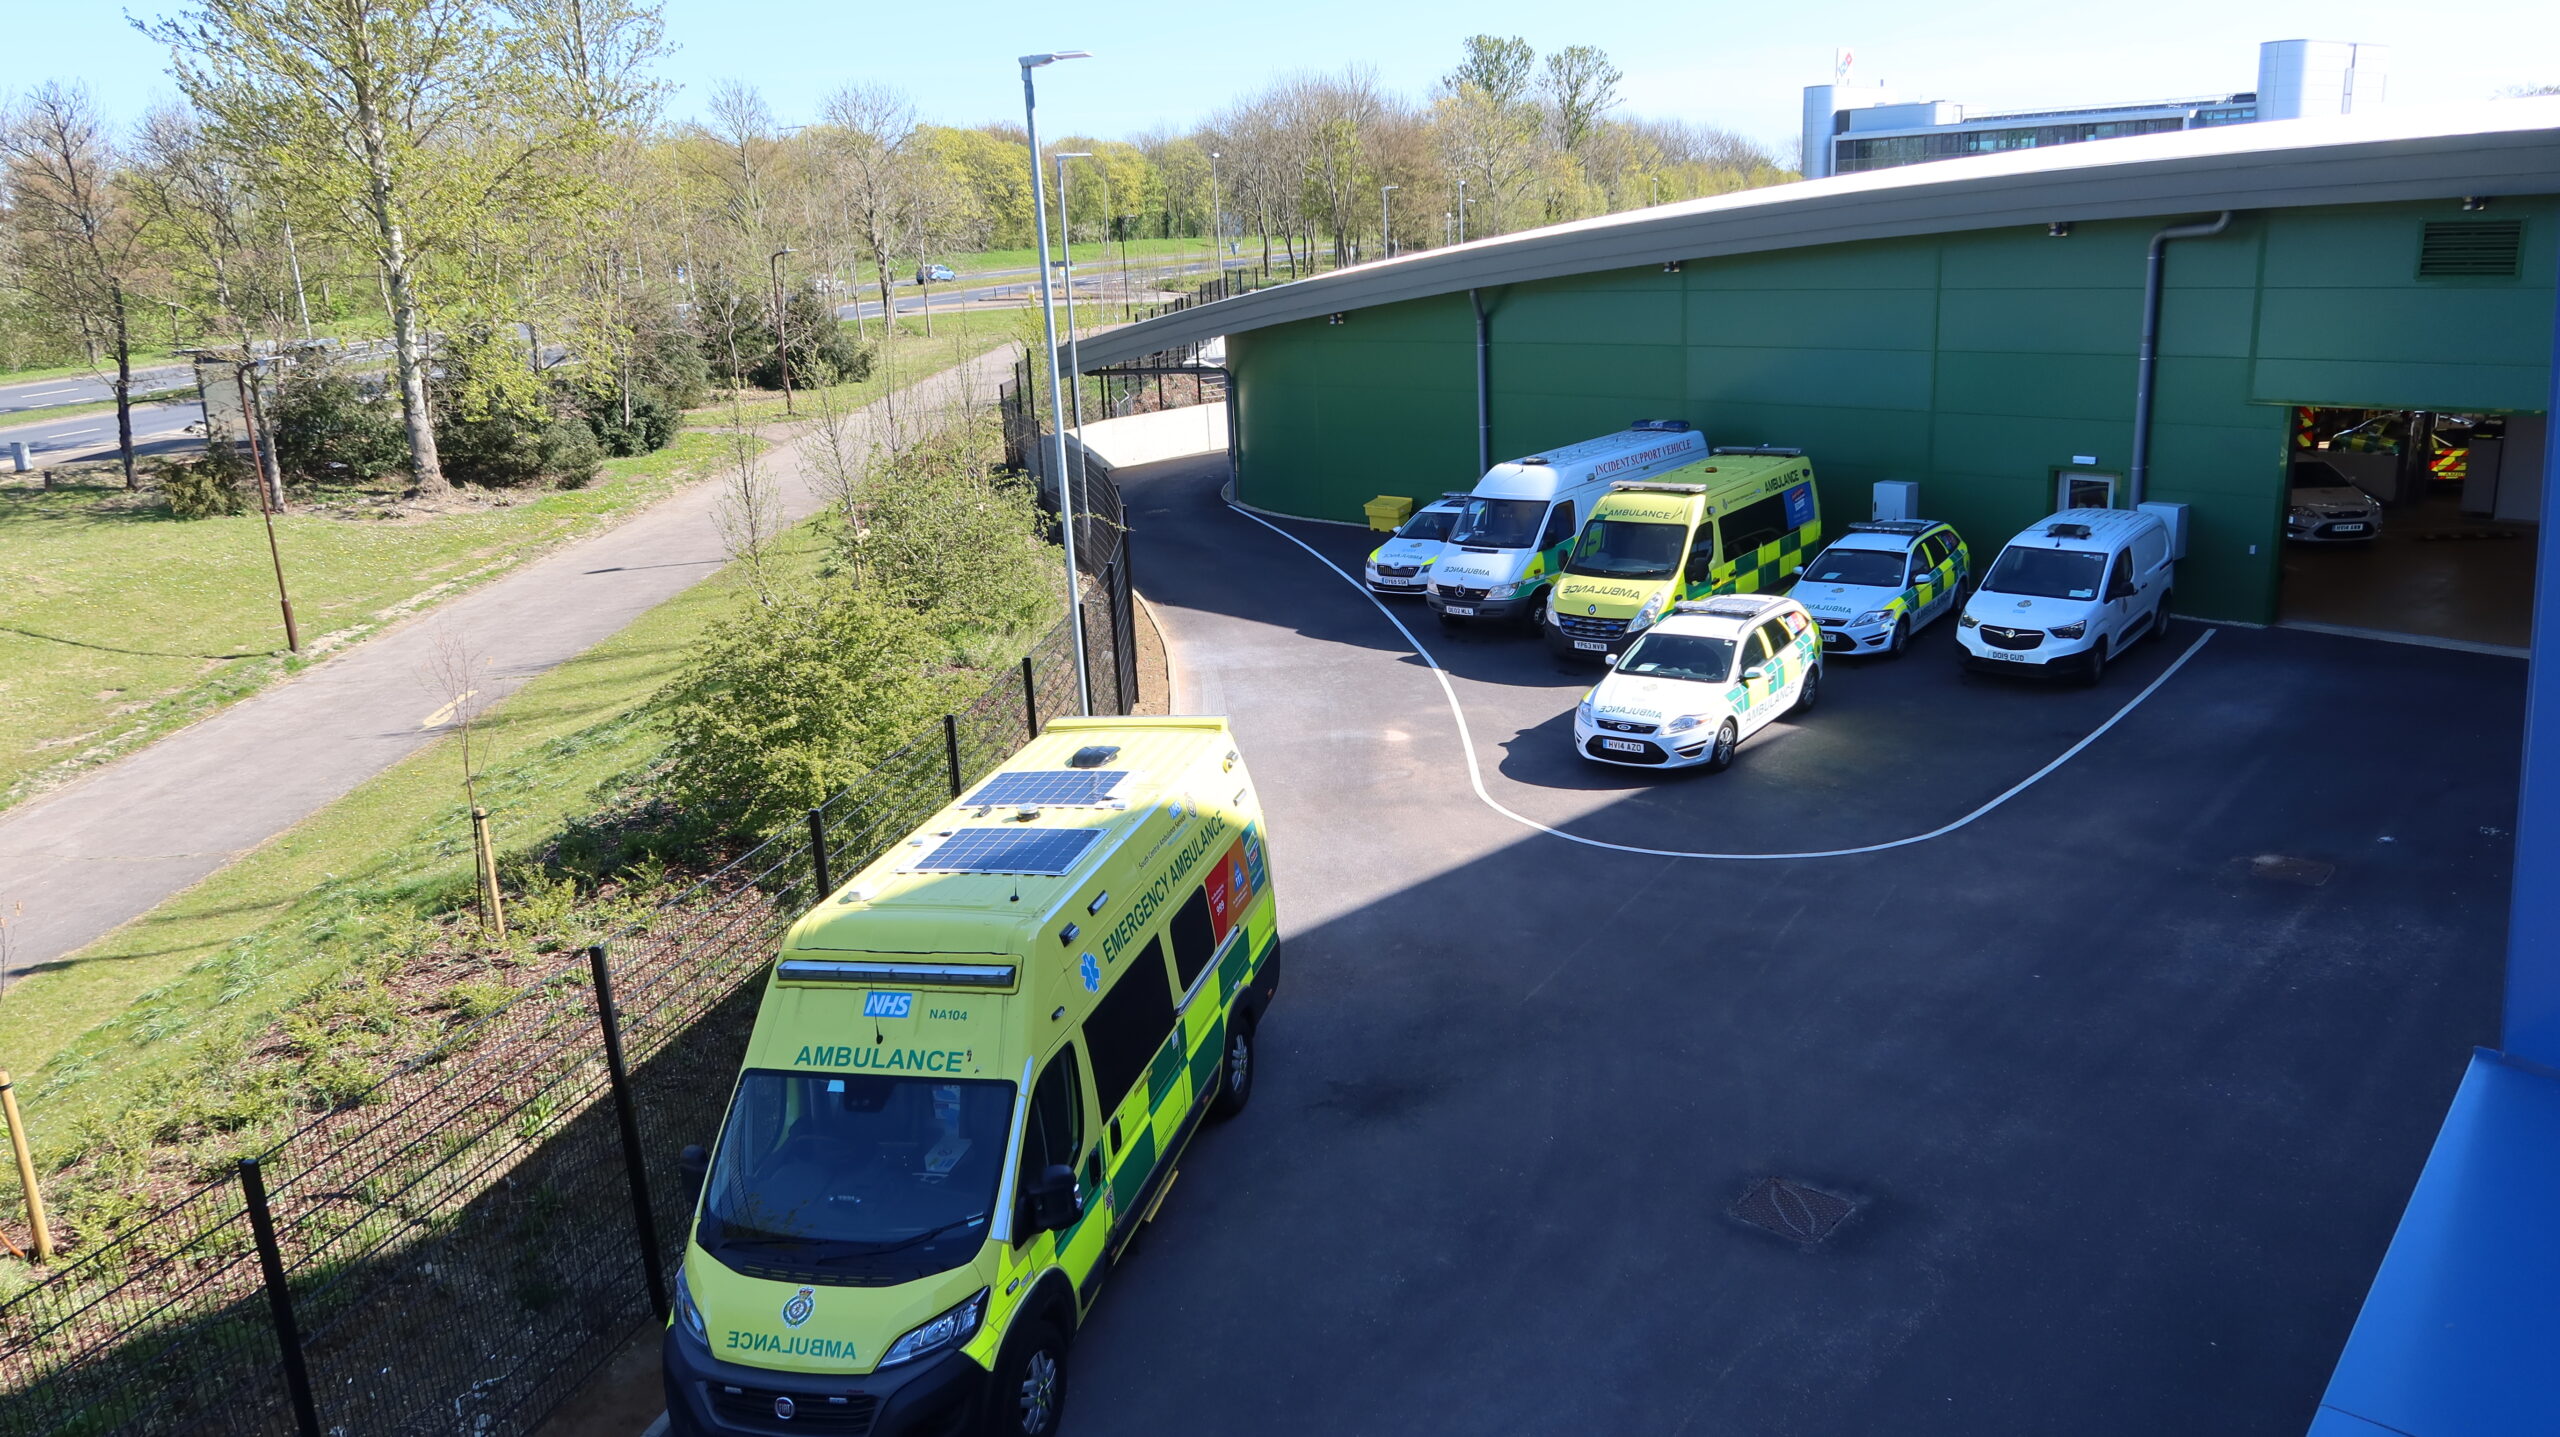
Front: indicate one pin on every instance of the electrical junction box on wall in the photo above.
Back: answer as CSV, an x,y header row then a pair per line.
x,y
2175,516
1896,499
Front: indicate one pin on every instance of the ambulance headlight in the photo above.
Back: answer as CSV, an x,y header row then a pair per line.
x,y
1871,616
1651,611
1587,713
1966,620
949,1330
2071,631
688,1311
1684,723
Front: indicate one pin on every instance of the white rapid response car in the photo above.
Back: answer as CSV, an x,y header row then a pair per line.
x,y
1705,677
1402,565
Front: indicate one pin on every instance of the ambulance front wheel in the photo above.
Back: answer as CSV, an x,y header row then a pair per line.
x,y
1901,638
1728,738
1030,1391
1235,1072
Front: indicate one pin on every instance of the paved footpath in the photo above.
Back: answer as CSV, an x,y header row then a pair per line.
x,y
114,845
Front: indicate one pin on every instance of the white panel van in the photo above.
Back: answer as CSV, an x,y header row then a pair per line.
x,y
1514,530
2070,593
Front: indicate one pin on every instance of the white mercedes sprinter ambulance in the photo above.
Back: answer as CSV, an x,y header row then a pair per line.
x,y
1514,530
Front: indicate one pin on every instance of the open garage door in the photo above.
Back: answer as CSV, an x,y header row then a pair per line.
x,y
2413,523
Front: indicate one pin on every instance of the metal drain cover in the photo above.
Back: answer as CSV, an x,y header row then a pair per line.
x,y
1800,1214
2301,872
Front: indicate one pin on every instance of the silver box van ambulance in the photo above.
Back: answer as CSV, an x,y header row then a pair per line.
x,y
2070,593
1512,534
974,1069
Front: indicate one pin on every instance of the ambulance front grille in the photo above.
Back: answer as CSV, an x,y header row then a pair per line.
x,y
757,1410
1579,627
1463,596
1397,571
2000,638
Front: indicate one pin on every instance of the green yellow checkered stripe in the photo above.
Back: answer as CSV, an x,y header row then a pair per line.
x,y
1183,1075
1765,567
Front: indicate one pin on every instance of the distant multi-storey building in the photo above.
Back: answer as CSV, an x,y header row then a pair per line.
x,y
1849,127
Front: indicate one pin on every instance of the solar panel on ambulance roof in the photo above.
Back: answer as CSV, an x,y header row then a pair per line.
x,y
1047,852
1050,788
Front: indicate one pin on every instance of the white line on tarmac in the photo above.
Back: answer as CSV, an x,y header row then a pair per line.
x,y
1475,773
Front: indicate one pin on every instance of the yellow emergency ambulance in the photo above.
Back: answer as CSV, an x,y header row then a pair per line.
x,y
1739,521
975,1068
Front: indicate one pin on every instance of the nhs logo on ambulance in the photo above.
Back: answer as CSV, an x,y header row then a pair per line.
x,y
887,1005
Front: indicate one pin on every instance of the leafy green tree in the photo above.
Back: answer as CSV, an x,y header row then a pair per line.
x,y
785,703
416,129
327,425
1581,86
937,531
1501,67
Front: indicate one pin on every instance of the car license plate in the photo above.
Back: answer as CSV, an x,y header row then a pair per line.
x,y
1622,745
2346,528
2004,656
1594,645
1461,610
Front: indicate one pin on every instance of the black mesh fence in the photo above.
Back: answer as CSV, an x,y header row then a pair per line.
x,y
461,1248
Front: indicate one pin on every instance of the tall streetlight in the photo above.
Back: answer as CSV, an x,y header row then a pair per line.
x,y
1448,226
1067,281
782,324
1462,211
1386,232
1217,220
1049,329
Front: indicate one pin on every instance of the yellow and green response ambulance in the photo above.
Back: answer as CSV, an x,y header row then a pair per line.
x,y
974,1069
1739,521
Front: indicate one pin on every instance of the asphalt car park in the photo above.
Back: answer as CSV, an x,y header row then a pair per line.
x,y
2127,1079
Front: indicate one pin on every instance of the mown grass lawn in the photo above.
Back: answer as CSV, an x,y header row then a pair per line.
x,y
119,623
218,962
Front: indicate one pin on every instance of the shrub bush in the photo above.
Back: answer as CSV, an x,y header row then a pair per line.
x,y
654,420
570,455
327,425
947,537
787,701
822,350
218,483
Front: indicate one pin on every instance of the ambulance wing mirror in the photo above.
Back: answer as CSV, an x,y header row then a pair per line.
x,y
1756,671
1055,1204
695,1163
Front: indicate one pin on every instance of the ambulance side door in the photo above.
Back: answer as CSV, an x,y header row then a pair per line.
x,y
1757,676
1059,1128
1125,1035
1698,577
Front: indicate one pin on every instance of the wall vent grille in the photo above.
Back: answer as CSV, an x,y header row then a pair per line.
x,y
2470,249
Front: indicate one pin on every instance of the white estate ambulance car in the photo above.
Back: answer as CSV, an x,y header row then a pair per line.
x,y
1402,565
1708,675
1514,530
2070,593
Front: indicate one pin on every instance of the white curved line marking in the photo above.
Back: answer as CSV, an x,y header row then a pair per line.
x,y
1475,773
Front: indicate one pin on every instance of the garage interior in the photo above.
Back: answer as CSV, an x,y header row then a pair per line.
x,y
2444,551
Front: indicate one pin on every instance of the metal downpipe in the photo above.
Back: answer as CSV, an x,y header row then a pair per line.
x,y
1484,382
2147,362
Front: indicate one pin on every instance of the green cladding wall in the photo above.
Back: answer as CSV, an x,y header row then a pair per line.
x,y
1976,363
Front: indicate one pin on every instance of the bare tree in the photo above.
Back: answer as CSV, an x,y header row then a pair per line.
x,y
79,240
878,173
457,673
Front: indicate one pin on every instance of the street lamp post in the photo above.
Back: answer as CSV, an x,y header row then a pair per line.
x,y
782,324
1217,220
1462,211
1067,282
1049,330
1386,231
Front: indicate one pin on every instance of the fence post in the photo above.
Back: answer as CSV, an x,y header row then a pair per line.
x,y
642,1222
1124,632
951,747
818,854
1030,700
262,1227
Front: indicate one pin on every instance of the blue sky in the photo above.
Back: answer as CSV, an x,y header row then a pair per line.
x,y
1172,64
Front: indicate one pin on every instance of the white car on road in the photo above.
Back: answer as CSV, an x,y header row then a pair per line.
x,y
1705,677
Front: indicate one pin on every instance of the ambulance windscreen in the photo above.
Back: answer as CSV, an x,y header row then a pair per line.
x,y
1868,568
1041,852
2046,573
1699,658
860,1178
1628,549
1049,788
1499,523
